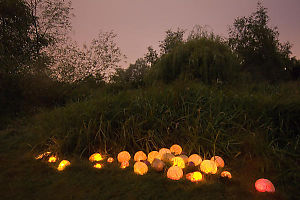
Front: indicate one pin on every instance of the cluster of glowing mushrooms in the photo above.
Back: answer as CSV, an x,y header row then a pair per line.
x,y
160,160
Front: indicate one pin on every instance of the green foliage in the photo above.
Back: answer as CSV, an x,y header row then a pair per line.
x,y
206,59
172,39
259,47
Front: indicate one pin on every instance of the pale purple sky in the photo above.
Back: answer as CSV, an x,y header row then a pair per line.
x,y
141,23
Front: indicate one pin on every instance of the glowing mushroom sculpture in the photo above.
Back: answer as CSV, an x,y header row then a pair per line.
x,y
140,155
176,149
162,151
140,168
96,157
124,156
219,161
226,174
158,165
264,185
175,173
208,167
195,158
63,164
152,155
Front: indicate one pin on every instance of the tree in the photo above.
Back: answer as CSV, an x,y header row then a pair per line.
x,y
172,39
99,59
16,44
151,56
258,45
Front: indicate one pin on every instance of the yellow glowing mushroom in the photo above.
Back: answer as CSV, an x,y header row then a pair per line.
x,y
63,164
219,161
110,160
124,164
208,167
96,157
176,149
184,157
196,176
140,155
152,155
175,173
196,159
52,159
124,156
98,166
178,161
140,168
226,174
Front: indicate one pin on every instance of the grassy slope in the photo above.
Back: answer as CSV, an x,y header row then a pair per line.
x,y
235,124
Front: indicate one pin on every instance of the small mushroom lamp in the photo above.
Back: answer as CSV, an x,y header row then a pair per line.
x,y
98,166
175,173
264,185
178,161
96,157
162,151
140,168
208,167
219,161
176,149
226,174
52,159
124,164
158,165
110,159
140,155
123,156
63,164
195,158
152,155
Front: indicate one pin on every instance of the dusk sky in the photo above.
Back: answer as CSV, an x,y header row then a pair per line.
x,y
141,23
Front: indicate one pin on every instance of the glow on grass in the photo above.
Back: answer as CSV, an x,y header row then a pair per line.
x,y
98,166
96,157
52,159
63,164
38,157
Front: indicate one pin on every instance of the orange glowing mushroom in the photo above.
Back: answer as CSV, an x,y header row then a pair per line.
x,y
184,157
42,155
96,157
52,159
140,155
175,173
196,159
152,155
196,177
226,174
264,185
219,161
140,168
124,164
176,149
208,167
98,166
124,156
63,164
110,160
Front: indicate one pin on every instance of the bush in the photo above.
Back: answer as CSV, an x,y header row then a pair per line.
x,y
206,59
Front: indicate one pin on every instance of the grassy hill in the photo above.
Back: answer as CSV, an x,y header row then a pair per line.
x,y
255,128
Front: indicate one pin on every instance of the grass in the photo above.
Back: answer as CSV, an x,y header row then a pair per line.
x,y
255,128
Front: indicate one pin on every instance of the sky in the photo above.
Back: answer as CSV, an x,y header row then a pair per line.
x,y
143,23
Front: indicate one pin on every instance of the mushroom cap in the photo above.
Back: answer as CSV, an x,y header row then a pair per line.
x,y
123,156
140,155
264,185
176,149
175,173
195,158
219,161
